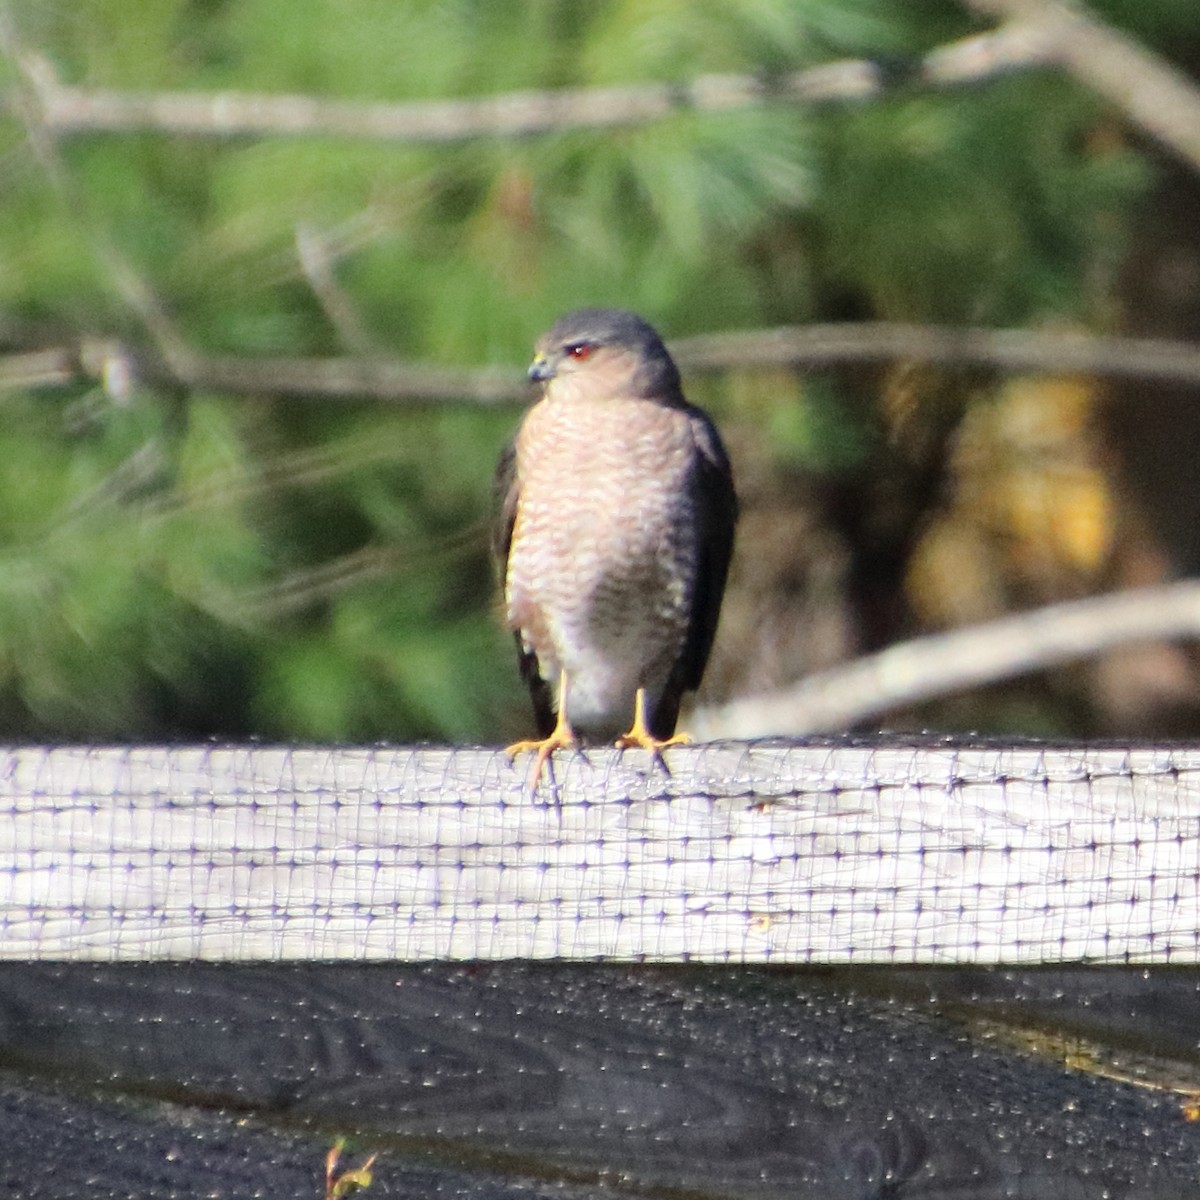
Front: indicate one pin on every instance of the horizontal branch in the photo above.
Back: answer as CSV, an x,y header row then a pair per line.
x,y
1148,90
883,341
937,666
69,110
54,367
358,379
798,347
333,379
1152,93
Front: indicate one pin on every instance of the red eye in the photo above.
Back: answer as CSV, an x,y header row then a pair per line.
x,y
580,351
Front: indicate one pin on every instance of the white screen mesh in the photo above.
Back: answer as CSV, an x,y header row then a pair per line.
x,y
761,852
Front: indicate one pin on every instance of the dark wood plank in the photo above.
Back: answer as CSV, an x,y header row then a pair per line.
x,y
747,1083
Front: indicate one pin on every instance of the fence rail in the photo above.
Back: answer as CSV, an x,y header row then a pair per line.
x,y
830,852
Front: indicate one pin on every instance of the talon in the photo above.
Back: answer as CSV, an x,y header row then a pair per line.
x,y
640,736
562,737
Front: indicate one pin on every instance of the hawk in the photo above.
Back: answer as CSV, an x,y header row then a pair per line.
x,y
617,511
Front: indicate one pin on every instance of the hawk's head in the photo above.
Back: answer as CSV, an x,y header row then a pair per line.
x,y
600,353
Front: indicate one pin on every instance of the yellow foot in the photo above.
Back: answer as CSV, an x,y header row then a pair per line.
x,y
640,736
647,741
561,739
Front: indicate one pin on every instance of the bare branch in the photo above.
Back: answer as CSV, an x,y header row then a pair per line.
x,y
1153,94
800,347
54,367
349,379
1014,46
72,110
881,341
359,379
931,667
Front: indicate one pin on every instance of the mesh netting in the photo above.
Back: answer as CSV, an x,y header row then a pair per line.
x,y
764,852
233,1079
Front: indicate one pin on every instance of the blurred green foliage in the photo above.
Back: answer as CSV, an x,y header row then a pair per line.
x,y
176,564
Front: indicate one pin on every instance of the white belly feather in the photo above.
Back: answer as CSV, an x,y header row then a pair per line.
x,y
603,552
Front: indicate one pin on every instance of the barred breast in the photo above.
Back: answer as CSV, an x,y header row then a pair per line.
x,y
604,551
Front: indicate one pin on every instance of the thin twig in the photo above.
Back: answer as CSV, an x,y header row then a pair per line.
x,y
317,260
940,665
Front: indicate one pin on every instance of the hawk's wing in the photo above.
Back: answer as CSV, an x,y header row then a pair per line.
x,y
506,494
715,506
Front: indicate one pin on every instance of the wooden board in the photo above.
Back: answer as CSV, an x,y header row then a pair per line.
x,y
522,1081
745,852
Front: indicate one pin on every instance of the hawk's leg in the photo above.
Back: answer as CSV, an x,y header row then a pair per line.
x,y
641,736
562,737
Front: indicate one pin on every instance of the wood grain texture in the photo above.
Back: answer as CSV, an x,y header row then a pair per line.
x,y
746,852
528,1081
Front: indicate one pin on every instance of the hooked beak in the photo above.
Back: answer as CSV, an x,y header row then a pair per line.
x,y
541,369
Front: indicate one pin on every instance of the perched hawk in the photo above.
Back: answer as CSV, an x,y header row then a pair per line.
x,y
616,525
